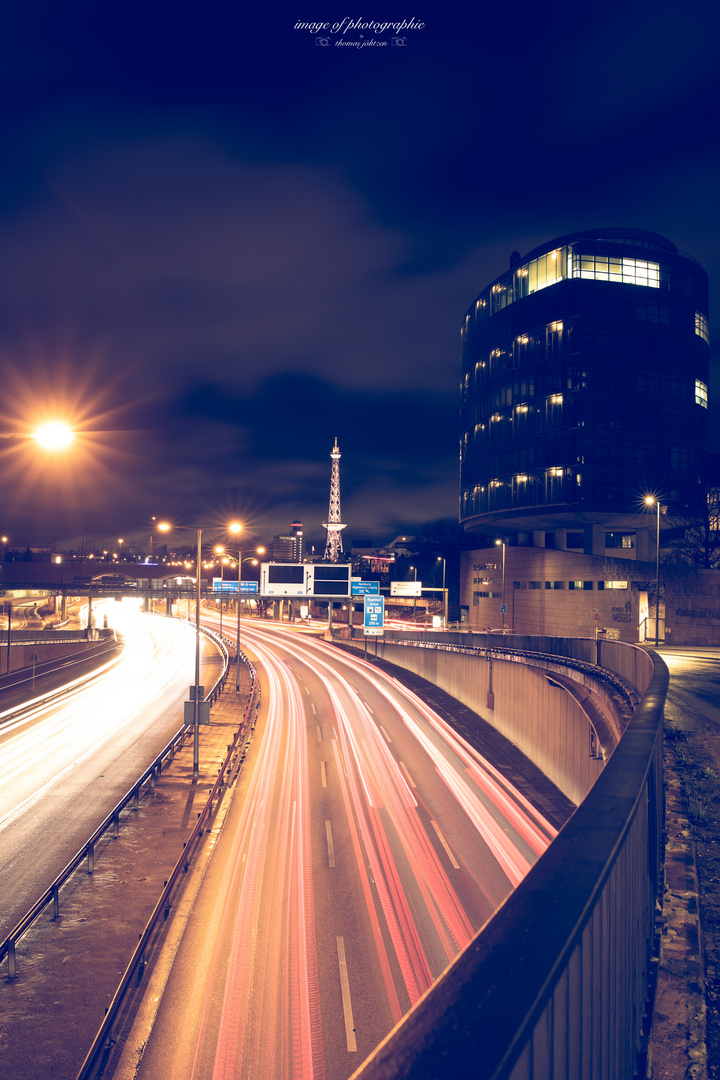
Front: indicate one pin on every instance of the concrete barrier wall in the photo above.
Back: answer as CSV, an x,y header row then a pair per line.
x,y
21,655
542,720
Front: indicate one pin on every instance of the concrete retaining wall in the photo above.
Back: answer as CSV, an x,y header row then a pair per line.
x,y
543,719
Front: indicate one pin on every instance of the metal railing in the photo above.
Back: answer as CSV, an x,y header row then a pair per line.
x,y
133,973
111,822
557,984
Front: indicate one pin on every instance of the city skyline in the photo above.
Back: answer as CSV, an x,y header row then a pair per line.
x,y
226,245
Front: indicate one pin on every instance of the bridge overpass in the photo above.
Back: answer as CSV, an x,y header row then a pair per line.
x,y
558,984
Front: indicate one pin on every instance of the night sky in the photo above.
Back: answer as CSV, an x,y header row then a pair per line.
x,y
225,241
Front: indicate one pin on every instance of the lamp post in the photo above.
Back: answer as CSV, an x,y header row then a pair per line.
x,y
414,570
220,550
445,599
502,602
652,501
165,527
240,560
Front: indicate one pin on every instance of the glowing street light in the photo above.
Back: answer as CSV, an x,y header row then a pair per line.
x,y
502,602
441,558
240,561
54,435
650,500
165,526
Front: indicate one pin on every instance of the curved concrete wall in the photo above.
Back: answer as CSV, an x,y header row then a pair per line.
x,y
546,722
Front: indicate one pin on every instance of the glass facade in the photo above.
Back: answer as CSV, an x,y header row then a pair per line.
x,y
584,382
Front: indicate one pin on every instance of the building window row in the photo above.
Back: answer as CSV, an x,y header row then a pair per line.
x,y
701,326
701,393
625,271
585,586
558,265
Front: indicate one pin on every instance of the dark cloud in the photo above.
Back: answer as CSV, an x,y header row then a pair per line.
x,y
223,245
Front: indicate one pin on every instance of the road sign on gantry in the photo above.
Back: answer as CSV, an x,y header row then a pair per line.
x,y
373,615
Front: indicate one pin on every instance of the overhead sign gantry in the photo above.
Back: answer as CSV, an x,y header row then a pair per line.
x,y
323,581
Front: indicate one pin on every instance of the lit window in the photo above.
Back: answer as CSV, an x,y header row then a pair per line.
x,y
701,393
615,585
701,326
626,271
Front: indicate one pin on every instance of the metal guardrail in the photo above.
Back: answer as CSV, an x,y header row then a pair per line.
x,y
134,971
48,667
112,821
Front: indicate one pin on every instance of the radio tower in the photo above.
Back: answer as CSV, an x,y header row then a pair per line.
x,y
334,547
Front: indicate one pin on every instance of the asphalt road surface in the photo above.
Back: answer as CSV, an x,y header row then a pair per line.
x,y
64,763
365,845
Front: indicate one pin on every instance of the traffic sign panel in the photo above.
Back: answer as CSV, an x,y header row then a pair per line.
x,y
373,615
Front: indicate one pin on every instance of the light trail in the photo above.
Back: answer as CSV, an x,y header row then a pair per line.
x,y
417,839
261,935
65,760
382,810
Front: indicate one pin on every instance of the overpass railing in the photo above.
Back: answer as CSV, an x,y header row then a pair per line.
x,y
557,984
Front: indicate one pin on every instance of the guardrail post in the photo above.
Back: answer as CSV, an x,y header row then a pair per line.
x,y
116,824
11,959
136,798
56,901
91,858
152,778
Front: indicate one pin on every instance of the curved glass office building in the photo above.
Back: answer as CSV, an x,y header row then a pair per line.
x,y
584,389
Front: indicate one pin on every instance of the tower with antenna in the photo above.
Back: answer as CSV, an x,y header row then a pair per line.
x,y
333,547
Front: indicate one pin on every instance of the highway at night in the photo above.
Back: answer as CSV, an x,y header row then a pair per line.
x,y
364,846
65,763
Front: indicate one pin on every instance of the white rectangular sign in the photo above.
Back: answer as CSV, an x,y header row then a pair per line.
x,y
406,588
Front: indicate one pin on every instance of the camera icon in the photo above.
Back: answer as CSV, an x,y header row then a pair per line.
x,y
322,40
399,41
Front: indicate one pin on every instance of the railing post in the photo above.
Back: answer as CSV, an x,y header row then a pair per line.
x,y
116,824
11,959
136,798
56,901
91,858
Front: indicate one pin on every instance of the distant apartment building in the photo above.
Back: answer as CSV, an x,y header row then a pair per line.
x,y
288,548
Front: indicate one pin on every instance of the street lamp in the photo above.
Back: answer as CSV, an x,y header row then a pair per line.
x,y
502,602
240,560
164,526
220,550
414,570
445,599
650,500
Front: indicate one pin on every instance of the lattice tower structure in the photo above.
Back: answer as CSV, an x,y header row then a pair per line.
x,y
333,547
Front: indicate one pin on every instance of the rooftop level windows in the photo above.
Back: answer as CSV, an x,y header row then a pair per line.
x,y
565,262
625,271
